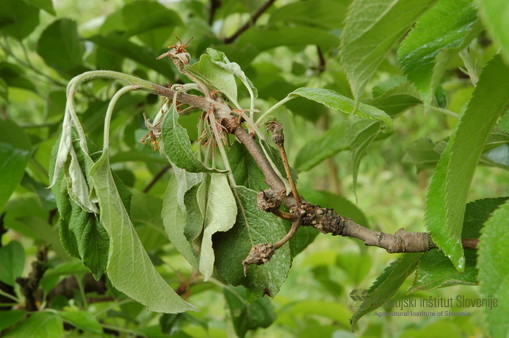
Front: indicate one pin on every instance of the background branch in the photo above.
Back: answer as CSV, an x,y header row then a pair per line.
x,y
250,23
156,178
214,5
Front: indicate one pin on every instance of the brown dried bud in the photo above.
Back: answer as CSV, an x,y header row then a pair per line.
x,y
277,132
230,124
259,254
269,200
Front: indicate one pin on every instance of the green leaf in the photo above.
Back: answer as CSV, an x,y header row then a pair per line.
x,y
177,145
215,77
156,24
12,257
493,266
45,5
91,239
253,226
4,90
387,284
53,275
335,139
41,190
324,14
132,273
359,143
394,98
336,101
174,219
343,136
14,155
371,29
244,168
82,320
435,270
220,216
356,265
273,36
39,325
437,36
258,39
449,187
248,315
195,201
146,217
142,55
303,310
9,318
17,18
13,76
61,48
494,14
423,153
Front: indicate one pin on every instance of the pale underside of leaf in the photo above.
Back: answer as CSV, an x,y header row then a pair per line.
x,y
174,219
220,216
129,267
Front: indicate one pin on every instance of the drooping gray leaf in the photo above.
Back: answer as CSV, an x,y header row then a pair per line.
x,y
129,268
220,216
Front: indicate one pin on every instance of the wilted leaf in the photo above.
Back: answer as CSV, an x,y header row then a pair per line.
x,y
134,274
215,77
174,219
220,216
